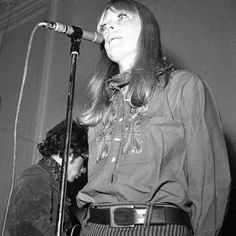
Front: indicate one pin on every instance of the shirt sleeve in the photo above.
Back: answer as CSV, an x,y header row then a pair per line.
x,y
30,211
208,170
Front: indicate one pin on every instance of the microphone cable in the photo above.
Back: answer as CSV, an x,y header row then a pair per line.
x,y
15,127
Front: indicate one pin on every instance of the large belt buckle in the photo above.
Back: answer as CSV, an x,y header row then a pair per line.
x,y
112,216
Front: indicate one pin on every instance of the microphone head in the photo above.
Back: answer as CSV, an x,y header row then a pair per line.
x,y
73,31
94,37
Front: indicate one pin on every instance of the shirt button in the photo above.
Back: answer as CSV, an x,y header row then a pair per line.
x,y
116,139
113,160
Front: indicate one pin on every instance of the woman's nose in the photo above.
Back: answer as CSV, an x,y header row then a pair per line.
x,y
109,26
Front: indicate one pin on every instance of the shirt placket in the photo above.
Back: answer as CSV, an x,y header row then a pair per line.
x,y
117,136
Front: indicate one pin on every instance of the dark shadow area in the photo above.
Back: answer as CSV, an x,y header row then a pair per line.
x,y
231,148
72,189
229,225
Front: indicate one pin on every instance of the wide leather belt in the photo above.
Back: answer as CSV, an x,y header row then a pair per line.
x,y
130,215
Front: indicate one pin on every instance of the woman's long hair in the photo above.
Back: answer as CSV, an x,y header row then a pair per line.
x,y
145,73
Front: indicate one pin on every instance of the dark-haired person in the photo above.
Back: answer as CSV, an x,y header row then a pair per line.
x,y
158,163
34,204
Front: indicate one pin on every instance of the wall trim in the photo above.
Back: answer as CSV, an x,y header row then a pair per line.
x,y
21,13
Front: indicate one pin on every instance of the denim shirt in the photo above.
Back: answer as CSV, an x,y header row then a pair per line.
x,y
171,150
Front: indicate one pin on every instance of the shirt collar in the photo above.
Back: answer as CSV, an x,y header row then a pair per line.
x,y
53,167
118,81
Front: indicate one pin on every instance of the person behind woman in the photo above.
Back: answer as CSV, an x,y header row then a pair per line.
x,y
158,163
34,204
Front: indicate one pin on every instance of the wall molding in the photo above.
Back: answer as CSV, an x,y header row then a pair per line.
x,y
20,12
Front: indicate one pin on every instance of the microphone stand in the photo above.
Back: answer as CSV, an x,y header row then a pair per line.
x,y
74,51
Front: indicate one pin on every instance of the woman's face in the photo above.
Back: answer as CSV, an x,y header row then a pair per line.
x,y
121,30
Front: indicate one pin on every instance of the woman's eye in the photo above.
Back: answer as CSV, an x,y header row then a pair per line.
x,y
122,16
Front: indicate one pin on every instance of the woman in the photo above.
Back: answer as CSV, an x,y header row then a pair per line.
x,y
158,163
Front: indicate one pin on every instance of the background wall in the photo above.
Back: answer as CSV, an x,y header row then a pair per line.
x,y
198,35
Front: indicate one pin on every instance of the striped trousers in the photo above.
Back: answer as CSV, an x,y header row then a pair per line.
x,y
91,229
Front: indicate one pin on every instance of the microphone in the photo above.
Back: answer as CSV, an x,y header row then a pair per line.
x,y
73,31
